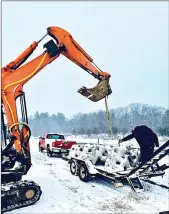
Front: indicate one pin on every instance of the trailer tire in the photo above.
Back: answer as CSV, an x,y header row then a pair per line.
x,y
84,174
74,167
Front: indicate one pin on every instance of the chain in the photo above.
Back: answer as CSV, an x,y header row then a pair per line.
x,y
108,117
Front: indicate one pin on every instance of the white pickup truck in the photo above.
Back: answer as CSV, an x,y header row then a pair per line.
x,y
54,143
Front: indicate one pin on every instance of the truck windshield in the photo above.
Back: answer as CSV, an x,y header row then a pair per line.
x,y
55,136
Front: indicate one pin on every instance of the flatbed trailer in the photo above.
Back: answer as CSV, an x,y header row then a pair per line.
x,y
86,170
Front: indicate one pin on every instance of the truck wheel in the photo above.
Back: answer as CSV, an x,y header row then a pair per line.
x,y
84,174
49,153
40,149
74,167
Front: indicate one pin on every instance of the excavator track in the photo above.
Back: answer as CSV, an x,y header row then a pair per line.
x,y
15,195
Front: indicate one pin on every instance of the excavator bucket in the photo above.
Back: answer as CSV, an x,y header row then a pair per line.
x,y
100,91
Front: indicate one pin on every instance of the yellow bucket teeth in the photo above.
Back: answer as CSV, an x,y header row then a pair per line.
x,y
100,91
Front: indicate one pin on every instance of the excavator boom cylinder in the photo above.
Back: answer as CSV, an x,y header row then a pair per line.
x,y
22,57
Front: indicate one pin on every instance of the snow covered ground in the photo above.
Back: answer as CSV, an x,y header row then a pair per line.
x,y
65,193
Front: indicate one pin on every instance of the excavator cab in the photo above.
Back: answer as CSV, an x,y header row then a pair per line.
x,y
97,93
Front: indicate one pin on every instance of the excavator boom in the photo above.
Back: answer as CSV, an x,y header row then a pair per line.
x,y
67,46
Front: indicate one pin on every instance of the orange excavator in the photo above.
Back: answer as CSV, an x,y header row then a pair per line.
x,y
15,155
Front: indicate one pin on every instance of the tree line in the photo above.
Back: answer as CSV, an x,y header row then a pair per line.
x,y
122,120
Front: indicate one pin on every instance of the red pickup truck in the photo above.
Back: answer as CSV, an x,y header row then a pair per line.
x,y
54,143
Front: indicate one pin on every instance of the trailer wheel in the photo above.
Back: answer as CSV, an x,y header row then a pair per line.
x,y
84,174
74,167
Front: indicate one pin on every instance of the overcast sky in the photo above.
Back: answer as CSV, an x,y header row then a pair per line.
x,y
129,40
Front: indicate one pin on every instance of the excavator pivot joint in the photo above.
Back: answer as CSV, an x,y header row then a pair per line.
x,y
52,48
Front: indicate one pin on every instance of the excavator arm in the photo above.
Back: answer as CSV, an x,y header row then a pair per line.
x,y
15,75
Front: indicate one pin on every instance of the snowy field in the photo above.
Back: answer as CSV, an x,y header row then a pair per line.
x,y
64,193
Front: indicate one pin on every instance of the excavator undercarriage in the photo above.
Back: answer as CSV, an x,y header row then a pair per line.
x,y
19,194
